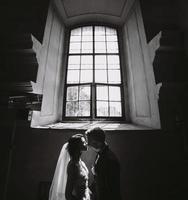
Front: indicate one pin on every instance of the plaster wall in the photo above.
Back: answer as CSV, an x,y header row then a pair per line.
x,y
183,20
141,83
50,70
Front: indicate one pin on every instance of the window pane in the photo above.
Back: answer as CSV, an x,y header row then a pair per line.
x,y
75,38
111,31
84,93
75,47
73,76
114,93
112,47
87,47
114,76
86,76
99,30
102,109
84,108
100,38
74,62
87,30
101,76
76,31
72,93
113,62
115,109
71,109
86,62
87,34
73,67
111,38
113,66
87,38
100,47
100,62
102,93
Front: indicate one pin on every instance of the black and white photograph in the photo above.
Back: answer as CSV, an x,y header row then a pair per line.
x,y
94,100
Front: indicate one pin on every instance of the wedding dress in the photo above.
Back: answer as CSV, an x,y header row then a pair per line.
x,y
58,186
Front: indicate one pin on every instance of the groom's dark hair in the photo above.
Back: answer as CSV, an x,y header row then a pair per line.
x,y
96,133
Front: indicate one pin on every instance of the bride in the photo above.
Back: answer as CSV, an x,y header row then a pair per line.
x,y
70,181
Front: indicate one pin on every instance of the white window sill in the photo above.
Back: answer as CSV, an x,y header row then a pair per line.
x,y
88,125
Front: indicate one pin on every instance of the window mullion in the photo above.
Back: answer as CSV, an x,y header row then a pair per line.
x,y
107,73
93,101
80,71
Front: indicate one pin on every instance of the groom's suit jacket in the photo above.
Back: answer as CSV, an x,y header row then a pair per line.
x,y
107,178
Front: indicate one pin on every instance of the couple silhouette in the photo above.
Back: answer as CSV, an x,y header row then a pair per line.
x,y
70,181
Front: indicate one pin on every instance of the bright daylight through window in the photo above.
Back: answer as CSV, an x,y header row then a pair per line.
x,y
93,81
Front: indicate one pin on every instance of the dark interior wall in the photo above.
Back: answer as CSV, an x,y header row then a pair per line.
x,y
159,15
170,17
183,20
151,162
165,14
23,16
6,131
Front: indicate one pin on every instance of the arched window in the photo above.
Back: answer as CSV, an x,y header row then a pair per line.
x,y
93,87
102,75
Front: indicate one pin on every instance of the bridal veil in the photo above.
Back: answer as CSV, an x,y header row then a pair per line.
x,y
58,186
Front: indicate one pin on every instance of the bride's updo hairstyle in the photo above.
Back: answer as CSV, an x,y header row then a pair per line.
x,y
75,145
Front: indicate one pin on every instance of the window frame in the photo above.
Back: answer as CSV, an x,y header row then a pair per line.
x,y
93,107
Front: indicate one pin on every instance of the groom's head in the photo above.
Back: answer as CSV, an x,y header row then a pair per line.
x,y
96,138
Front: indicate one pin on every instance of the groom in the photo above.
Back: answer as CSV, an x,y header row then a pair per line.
x,y
106,169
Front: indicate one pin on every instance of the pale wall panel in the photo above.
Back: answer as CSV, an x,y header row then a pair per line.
x,y
138,73
49,73
141,84
49,87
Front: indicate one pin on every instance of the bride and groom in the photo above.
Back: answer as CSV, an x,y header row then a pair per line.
x,y
70,181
